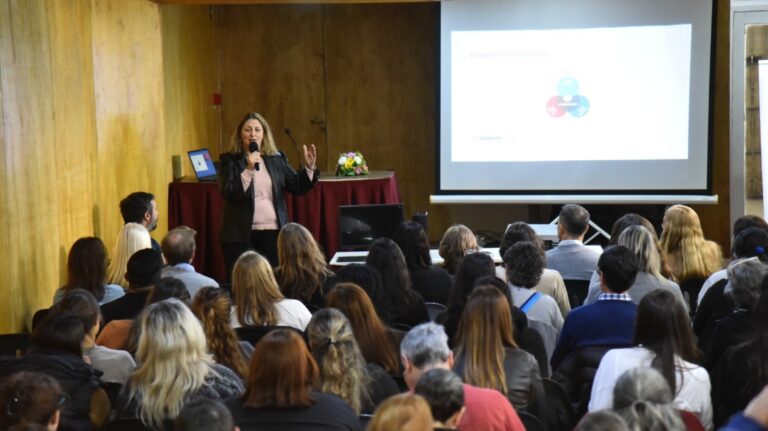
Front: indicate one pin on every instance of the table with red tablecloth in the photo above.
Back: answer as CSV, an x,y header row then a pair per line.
x,y
199,206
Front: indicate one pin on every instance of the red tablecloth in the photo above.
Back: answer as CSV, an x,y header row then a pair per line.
x,y
199,206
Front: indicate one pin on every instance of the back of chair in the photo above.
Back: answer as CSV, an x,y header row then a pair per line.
x,y
134,425
561,409
576,374
14,344
434,308
531,422
253,334
577,291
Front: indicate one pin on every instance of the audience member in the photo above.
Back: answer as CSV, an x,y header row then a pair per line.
x,y
745,281
571,258
754,417
458,240
31,398
302,273
551,283
690,255
602,420
141,208
174,367
406,412
742,371
115,365
343,371
365,277
487,355
639,240
643,398
212,307
179,250
431,282
424,348
132,238
611,320
279,393
444,392
400,304
87,269
258,300
378,344
204,414
632,219
142,272
664,341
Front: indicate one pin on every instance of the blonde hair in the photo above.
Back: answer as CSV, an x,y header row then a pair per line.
x,y
302,270
457,241
255,290
132,238
682,238
639,241
173,362
268,146
342,367
405,412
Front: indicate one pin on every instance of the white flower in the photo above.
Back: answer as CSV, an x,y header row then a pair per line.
x,y
358,160
342,160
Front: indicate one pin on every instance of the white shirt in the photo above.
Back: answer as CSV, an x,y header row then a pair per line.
x,y
290,312
693,385
714,278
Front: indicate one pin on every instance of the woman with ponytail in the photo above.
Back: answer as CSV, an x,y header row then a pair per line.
x,y
343,371
643,399
663,341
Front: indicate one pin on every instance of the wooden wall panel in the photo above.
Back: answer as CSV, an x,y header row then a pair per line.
x,y
190,78
270,60
128,85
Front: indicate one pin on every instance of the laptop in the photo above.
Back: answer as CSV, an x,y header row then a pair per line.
x,y
203,165
361,225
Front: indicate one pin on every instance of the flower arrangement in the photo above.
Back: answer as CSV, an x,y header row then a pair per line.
x,y
351,164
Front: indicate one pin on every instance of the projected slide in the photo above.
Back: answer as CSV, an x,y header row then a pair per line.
x,y
570,94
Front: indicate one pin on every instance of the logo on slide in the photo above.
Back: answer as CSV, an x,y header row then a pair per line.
x,y
568,100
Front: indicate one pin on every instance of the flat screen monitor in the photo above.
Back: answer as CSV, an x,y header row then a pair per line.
x,y
361,225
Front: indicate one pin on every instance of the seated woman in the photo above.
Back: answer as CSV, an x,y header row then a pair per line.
x,y
378,344
432,282
406,412
87,269
399,303
132,238
302,273
279,396
665,342
343,371
643,399
258,300
212,307
458,240
487,356
174,367
31,399
551,283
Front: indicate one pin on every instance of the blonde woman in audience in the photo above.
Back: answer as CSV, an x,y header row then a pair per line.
x,y
132,238
302,273
258,300
640,241
212,307
406,412
174,367
690,255
487,355
343,371
457,241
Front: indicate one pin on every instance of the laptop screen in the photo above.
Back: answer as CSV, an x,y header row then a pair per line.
x,y
202,163
361,225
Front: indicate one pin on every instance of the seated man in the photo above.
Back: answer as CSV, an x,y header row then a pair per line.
x,y
571,258
142,273
444,392
141,208
611,320
179,250
425,347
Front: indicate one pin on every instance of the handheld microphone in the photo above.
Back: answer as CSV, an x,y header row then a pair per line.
x,y
288,132
254,147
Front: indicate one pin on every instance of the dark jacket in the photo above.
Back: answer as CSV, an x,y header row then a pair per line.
x,y
238,204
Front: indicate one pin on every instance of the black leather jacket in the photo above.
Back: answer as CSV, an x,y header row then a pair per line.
x,y
238,204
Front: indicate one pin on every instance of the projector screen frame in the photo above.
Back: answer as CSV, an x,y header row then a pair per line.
x,y
596,196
